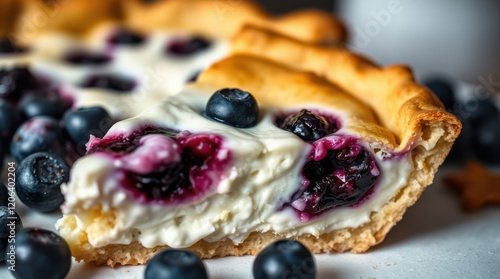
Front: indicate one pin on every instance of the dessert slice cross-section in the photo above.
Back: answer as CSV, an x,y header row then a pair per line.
x,y
318,165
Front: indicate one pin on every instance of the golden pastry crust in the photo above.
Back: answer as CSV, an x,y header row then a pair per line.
x,y
432,131
225,17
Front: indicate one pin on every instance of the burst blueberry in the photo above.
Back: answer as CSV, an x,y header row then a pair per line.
x,y
284,259
10,223
175,263
39,134
15,82
126,37
39,180
233,107
45,254
189,46
307,125
109,81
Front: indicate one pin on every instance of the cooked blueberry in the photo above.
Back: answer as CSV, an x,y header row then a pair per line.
x,y
126,37
184,47
175,263
14,82
10,118
7,46
479,110
86,58
39,134
83,122
10,224
38,181
43,104
486,141
443,89
284,259
4,194
233,107
109,81
307,125
40,254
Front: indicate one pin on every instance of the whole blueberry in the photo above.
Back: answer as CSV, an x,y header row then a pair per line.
x,y
189,46
38,181
233,107
307,125
109,81
43,104
4,195
479,110
86,58
284,259
14,82
38,134
126,37
443,88
10,223
41,254
174,264
10,118
486,141
83,122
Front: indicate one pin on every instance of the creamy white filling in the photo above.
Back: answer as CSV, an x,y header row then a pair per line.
x,y
265,173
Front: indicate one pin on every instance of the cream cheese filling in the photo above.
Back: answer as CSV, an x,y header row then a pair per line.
x,y
265,172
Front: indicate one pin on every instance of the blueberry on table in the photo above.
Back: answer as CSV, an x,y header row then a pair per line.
x,y
109,81
41,254
233,107
185,47
38,134
14,82
174,264
307,125
10,118
38,181
126,37
486,141
43,104
443,89
10,223
82,122
284,259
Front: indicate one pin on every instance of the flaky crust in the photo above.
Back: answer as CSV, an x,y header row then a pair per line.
x,y
432,132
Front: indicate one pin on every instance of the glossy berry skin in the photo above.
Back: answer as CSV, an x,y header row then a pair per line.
x,y
174,264
125,37
15,82
233,107
443,89
486,141
186,47
10,118
39,134
45,255
109,81
43,104
10,222
38,181
82,122
307,125
284,259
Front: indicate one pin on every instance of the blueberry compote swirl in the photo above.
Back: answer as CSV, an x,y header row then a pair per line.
x,y
164,166
339,171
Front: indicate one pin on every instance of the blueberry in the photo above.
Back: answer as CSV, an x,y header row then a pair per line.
x,y
39,134
10,118
9,47
233,107
41,254
443,89
86,58
4,195
10,223
284,259
109,81
14,82
461,149
307,125
81,123
39,179
479,110
126,37
486,141
185,47
43,104
175,263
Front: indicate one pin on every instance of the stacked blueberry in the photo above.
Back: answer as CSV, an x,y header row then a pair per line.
x,y
480,118
280,259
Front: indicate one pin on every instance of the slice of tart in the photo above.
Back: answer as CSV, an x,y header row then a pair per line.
x,y
255,151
